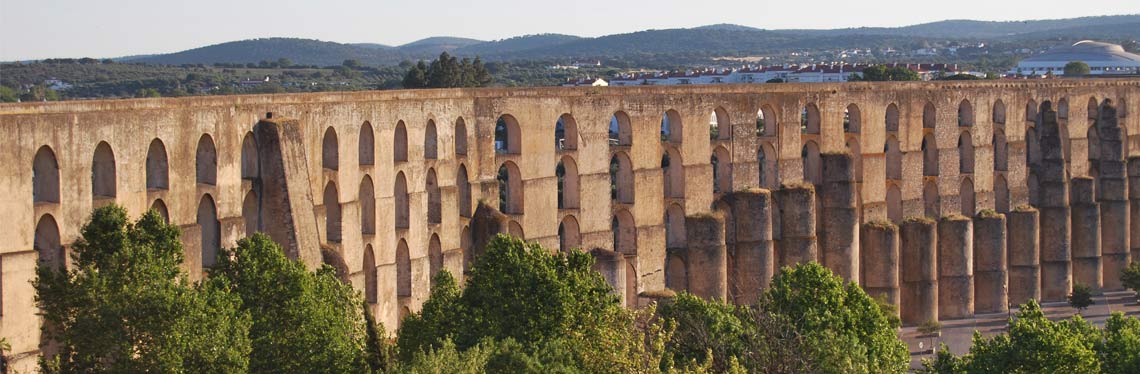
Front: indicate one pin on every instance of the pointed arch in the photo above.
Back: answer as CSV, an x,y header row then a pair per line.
x,y
463,184
675,235
965,113
809,119
569,236
210,231
331,203
672,130
720,127
966,197
931,200
999,113
510,188
515,229
367,145
400,143
766,158
330,151
673,172
965,153
929,155
621,178
566,133
894,158
1001,151
435,202
367,196
431,141
1031,111
766,124
676,276
48,246
157,166
371,295
894,203
45,176
206,161
892,118
103,178
929,116
620,130
251,213
722,170
508,135
568,183
460,137
1001,194
400,198
625,232
160,207
435,256
852,119
403,270
812,167
250,168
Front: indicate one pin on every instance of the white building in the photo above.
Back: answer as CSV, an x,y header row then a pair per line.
x,y
1102,58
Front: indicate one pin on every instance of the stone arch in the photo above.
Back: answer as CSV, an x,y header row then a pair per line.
x,y
766,121
999,113
330,151
464,186
621,130
766,160
929,155
515,229
1062,108
625,232
675,235
672,130
48,246
720,127
210,229
676,277
568,183
400,198
965,113
621,178
813,170
206,161
893,157
929,116
157,166
894,203
809,119
160,207
508,135
673,173
250,168
460,137
371,295
367,199
251,213
1001,194
566,133
435,256
892,118
631,283
930,199
852,119
435,203
1001,151
510,188
569,236
966,197
965,153
431,141
465,241
722,170
400,143
331,203
103,179
367,145
1031,112
45,176
403,270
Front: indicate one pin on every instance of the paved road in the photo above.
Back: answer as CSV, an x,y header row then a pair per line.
x,y
957,334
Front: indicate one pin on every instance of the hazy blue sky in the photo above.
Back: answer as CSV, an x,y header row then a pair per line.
x,y
34,29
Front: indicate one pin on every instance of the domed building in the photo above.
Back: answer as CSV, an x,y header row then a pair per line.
x,y
1102,58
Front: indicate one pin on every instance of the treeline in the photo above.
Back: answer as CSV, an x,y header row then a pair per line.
x,y
448,72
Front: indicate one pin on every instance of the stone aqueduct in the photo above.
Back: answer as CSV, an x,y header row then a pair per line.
x,y
391,181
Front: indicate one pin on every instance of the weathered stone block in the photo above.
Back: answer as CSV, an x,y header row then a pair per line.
x,y
1024,284
841,242
955,297
1056,281
918,238
708,259
991,292
955,247
1024,238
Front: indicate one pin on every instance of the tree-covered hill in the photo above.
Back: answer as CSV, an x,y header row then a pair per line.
x,y
299,51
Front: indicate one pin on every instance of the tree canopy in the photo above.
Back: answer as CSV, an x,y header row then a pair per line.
x,y
879,73
1076,68
448,72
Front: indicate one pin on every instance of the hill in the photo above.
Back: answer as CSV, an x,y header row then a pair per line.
x,y
434,45
300,51
516,44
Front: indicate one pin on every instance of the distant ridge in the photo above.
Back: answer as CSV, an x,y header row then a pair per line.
x,y
697,41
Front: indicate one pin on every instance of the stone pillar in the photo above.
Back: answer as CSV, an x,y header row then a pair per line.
x,y
955,267
1056,235
1113,199
879,242
612,266
1086,233
1134,206
287,200
1024,258
797,224
485,224
708,259
919,271
991,285
755,261
840,216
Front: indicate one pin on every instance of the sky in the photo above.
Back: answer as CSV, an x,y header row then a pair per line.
x,y
37,29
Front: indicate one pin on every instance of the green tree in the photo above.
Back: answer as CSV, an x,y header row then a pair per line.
x,y
126,306
882,73
1081,298
1035,344
1130,277
1076,68
1121,349
284,62
437,320
8,95
303,322
416,77
703,327
351,64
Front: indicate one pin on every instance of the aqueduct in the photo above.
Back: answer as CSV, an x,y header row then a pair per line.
x,y
702,188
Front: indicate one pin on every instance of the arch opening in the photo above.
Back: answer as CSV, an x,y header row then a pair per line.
x,y
210,230
331,203
206,161
103,177
672,130
400,143
431,141
157,166
367,198
620,130
460,137
568,183
569,236
435,203
250,168
566,133
400,198
508,138
510,188
464,187
48,246
621,178
367,145
45,176
403,270
330,152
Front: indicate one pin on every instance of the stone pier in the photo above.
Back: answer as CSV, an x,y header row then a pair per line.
x,y
840,216
919,257
1113,198
1086,233
991,285
754,258
1134,205
708,259
879,244
955,267
1024,258
612,266
1056,249
797,224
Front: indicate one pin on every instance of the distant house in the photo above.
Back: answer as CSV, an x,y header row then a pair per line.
x,y
594,82
1102,58
254,82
